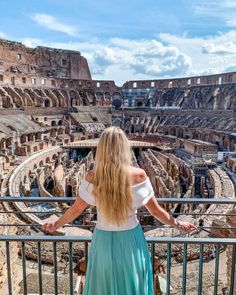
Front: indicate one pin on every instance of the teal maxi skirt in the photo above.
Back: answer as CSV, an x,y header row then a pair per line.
x,y
119,264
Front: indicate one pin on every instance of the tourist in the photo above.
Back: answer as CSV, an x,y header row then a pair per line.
x,y
119,261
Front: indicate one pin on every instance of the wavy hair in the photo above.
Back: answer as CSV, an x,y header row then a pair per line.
x,y
111,184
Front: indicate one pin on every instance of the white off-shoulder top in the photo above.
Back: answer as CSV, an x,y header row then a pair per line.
x,y
141,193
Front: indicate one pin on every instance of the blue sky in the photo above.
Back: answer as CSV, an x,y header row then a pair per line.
x,y
127,40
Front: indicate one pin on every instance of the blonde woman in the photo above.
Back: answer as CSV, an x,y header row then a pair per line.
x,y
119,261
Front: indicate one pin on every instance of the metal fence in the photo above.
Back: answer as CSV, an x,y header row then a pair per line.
x,y
169,253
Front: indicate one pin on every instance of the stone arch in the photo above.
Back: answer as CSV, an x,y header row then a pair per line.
x,y
41,164
28,101
53,123
37,101
74,98
61,102
99,98
49,184
107,96
117,100
225,142
17,99
7,102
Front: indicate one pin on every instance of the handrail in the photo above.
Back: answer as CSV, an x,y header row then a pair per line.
x,y
160,200
176,240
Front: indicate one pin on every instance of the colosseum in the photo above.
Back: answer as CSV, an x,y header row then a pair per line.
x,y
182,132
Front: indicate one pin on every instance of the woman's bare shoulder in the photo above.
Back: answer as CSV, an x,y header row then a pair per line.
x,y
137,175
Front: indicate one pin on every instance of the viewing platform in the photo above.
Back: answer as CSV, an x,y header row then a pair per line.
x,y
203,262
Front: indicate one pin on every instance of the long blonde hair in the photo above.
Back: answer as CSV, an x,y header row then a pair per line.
x,y
111,184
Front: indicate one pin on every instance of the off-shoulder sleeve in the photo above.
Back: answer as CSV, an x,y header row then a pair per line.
x,y
142,193
85,192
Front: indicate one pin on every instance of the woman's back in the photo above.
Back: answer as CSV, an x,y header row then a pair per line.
x,y
141,191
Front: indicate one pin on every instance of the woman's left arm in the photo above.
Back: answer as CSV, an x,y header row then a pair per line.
x,y
72,213
161,214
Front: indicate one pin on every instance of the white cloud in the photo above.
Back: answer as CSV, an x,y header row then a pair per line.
x,y
220,49
31,42
223,10
146,57
3,35
212,54
50,22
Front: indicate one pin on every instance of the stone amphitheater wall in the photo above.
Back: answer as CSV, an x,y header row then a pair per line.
x,y
218,79
16,57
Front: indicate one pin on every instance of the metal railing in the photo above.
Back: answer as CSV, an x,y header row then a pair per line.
x,y
169,255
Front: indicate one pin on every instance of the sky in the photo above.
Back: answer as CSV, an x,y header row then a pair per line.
x,y
130,39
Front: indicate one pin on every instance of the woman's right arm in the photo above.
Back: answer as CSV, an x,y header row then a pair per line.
x,y
161,214
72,213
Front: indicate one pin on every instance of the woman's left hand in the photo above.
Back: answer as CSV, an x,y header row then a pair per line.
x,y
185,227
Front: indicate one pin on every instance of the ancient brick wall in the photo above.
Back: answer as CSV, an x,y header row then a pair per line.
x,y
19,59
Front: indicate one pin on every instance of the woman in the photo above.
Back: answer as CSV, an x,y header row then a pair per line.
x,y
119,262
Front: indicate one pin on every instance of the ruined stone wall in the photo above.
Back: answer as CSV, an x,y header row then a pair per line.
x,y
231,163
164,185
43,61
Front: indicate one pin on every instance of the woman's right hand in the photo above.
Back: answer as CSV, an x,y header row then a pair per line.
x,y
50,226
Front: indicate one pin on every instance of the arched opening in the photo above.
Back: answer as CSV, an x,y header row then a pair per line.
x,y
73,98
46,103
140,104
117,100
53,123
49,184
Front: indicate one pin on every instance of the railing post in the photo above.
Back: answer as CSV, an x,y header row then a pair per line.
x,y
153,258
24,267
40,268
216,269
71,268
200,270
55,268
233,266
168,268
8,268
184,269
